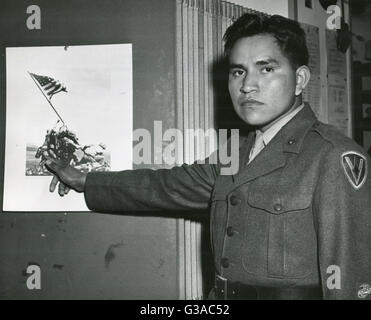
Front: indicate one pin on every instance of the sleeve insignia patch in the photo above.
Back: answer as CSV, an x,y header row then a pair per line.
x,y
355,168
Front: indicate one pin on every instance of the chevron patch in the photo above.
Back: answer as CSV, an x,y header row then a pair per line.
x,y
355,168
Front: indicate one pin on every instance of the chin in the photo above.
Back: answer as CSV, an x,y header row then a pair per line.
x,y
253,119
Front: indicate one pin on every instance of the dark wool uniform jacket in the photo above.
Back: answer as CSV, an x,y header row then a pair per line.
x,y
298,215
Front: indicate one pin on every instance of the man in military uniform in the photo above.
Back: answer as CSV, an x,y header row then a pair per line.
x,y
295,221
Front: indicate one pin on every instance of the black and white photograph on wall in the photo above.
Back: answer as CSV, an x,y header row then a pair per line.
x,y
73,103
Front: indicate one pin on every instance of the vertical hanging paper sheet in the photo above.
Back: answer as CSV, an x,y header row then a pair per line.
x,y
338,109
312,93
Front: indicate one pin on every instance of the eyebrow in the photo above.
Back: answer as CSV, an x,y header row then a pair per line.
x,y
262,62
236,66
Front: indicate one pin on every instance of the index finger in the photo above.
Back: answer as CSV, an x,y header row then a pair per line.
x,y
53,183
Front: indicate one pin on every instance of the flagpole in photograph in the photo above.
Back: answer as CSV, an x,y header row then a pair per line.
x,y
47,99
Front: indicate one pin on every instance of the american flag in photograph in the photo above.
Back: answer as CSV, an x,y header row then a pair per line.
x,y
49,85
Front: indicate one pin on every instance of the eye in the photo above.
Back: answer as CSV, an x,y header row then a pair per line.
x,y
237,72
267,69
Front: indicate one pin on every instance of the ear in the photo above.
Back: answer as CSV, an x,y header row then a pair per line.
x,y
302,79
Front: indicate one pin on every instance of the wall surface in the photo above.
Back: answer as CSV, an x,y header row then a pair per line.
x,y
92,255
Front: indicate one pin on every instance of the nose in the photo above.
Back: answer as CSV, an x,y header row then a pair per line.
x,y
249,84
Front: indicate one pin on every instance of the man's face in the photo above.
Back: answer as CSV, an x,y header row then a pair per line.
x,y
261,81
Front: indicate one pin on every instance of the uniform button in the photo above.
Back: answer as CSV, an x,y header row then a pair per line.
x,y
225,263
291,141
230,231
277,207
234,200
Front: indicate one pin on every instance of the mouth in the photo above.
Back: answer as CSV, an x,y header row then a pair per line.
x,y
250,102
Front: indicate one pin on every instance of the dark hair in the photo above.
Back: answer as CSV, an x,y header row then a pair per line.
x,y
289,35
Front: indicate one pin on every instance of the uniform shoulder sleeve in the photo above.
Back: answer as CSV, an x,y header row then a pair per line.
x,y
187,187
342,210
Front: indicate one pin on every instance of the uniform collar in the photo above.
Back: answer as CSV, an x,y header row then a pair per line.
x,y
269,134
288,139
294,132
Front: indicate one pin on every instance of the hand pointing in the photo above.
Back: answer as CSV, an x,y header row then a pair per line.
x,y
67,176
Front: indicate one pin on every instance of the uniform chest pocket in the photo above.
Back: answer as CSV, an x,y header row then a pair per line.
x,y
279,236
276,203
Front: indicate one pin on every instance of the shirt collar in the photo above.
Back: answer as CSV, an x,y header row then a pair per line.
x,y
269,134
